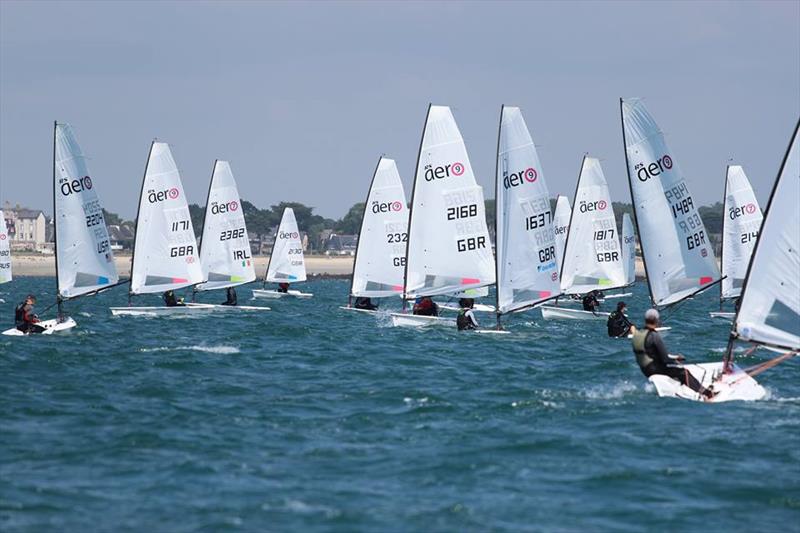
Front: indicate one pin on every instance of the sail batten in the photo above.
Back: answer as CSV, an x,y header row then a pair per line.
x,y
84,259
165,249
225,253
449,248
527,266
381,249
676,247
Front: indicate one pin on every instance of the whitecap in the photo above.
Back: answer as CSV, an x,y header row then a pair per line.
x,y
614,392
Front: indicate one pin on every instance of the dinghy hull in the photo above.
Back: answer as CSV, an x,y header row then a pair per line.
x,y
737,385
722,315
549,312
188,309
420,321
51,326
265,293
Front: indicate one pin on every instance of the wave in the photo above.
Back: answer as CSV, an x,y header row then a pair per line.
x,y
614,392
224,350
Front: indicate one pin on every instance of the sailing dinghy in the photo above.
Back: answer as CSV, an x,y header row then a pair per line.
x,y
224,247
286,263
165,248
769,314
527,265
740,224
593,258
84,260
448,242
5,252
381,249
677,253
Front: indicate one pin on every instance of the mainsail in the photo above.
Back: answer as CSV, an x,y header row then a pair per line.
x,y
286,264
448,241
628,249
5,251
165,250
224,247
677,253
84,260
740,224
527,270
378,269
592,256
770,303
561,226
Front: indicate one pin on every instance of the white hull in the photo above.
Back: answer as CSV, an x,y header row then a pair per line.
x,y
481,308
618,295
51,326
418,321
723,315
234,308
188,309
264,293
729,387
550,312
663,330
368,311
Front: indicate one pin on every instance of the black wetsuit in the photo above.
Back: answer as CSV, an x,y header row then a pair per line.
x,y
231,297
466,320
590,303
25,320
365,303
618,324
170,300
283,287
653,358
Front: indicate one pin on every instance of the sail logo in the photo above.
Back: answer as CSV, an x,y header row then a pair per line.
x,y
288,235
2,236
628,239
218,208
154,196
76,185
445,171
586,207
736,212
652,170
561,230
385,207
518,178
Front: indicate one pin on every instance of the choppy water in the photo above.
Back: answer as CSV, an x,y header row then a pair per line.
x,y
309,418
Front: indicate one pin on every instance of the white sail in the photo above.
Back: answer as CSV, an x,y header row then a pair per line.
x,y
561,226
678,257
224,247
378,269
527,270
84,260
592,257
628,249
286,264
5,251
741,221
770,305
449,248
165,250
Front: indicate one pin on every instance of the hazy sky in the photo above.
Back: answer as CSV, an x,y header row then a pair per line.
x,y
302,98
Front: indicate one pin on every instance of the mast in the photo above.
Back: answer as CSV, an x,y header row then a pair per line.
x,y
138,211
411,205
571,215
633,202
497,220
722,245
361,230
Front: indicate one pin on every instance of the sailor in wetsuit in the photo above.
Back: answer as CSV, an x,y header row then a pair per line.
x,y
230,295
24,318
466,316
283,287
171,301
425,306
591,303
653,358
618,324
365,303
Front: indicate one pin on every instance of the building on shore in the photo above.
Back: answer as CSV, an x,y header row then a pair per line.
x,y
27,228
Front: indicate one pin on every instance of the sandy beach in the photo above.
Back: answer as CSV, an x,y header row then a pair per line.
x,y
44,265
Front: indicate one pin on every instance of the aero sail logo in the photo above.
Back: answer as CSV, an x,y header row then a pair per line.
x,y
736,212
445,171
599,205
385,207
288,235
651,170
154,196
217,208
515,179
75,186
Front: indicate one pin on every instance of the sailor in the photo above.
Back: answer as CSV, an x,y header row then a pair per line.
x,y
365,303
590,302
425,306
283,287
653,358
466,316
24,318
171,301
618,323
230,294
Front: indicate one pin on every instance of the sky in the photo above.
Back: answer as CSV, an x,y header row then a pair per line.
x,y
303,97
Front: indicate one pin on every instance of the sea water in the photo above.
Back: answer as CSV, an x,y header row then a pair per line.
x,y
310,418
